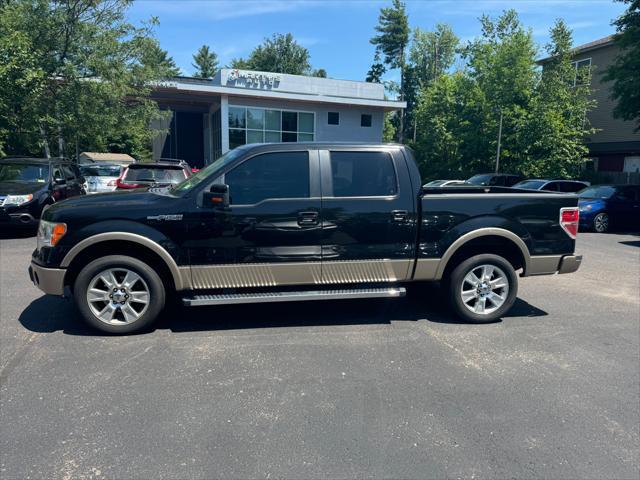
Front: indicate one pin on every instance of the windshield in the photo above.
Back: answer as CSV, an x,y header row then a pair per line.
x,y
530,184
480,179
207,171
601,191
154,175
101,171
25,173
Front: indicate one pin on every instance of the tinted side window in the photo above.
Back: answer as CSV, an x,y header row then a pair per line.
x,y
57,172
551,187
627,193
363,174
271,175
68,172
571,186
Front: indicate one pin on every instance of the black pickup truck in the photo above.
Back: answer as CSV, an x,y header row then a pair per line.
x,y
298,222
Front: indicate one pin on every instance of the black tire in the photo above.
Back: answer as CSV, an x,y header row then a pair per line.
x,y
150,282
601,223
456,281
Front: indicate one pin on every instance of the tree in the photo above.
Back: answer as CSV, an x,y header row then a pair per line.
x,y
377,70
502,64
77,76
205,61
319,72
156,57
433,53
625,71
392,41
280,54
556,124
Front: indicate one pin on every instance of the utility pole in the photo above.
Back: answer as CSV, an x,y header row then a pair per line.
x,y
499,140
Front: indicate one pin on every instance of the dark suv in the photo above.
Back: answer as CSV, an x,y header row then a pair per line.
x,y
28,184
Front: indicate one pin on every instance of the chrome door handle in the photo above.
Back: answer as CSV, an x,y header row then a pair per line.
x,y
399,215
308,218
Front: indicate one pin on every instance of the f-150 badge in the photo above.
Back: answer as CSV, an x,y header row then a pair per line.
x,y
177,217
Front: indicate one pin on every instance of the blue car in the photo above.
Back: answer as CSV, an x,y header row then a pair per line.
x,y
603,207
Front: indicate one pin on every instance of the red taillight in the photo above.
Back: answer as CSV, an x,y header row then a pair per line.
x,y
569,219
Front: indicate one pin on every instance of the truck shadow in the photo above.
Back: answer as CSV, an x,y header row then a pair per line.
x,y
50,314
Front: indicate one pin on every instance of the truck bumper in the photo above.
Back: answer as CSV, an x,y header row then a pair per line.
x,y
570,263
49,280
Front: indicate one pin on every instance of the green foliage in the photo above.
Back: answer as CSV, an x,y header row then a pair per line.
x,y
77,76
278,54
433,53
625,72
205,61
319,72
392,41
556,123
156,57
544,113
388,128
374,75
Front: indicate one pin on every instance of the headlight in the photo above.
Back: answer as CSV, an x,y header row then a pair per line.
x,y
17,199
586,208
49,233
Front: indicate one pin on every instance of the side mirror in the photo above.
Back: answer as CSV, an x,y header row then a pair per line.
x,y
217,196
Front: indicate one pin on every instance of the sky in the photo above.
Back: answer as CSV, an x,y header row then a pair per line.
x,y
337,32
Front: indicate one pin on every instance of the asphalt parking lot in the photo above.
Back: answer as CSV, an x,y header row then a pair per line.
x,y
345,389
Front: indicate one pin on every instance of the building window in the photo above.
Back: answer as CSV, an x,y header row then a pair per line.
x,y
333,118
365,120
257,125
582,72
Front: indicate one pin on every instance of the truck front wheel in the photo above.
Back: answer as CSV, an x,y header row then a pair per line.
x,y
482,288
119,294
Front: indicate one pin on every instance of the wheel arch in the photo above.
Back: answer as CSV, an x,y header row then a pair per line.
x,y
135,245
485,240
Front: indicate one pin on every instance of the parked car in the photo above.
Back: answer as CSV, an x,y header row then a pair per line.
x,y
27,185
161,173
101,177
567,186
443,183
297,222
603,207
494,179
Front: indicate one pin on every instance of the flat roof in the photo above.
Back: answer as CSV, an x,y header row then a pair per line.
x,y
248,83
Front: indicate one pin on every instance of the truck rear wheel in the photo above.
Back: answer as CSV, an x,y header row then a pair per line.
x,y
483,288
119,294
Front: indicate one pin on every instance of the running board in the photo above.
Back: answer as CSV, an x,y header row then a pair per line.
x,y
300,296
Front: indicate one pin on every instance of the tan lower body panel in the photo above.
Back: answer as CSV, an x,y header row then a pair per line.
x,y
426,269
299,273
544,264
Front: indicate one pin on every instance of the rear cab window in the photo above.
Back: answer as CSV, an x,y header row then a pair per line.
x,y
363,174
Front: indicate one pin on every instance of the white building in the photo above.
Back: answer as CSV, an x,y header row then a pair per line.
x,y
209,117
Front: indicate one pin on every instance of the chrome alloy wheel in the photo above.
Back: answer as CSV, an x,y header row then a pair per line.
x,y
484,289
118,296
601,222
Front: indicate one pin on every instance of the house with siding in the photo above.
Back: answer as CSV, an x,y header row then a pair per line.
x,y
615,147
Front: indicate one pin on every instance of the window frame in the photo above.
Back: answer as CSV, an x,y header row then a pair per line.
x,y
327,174
265,130
311,177
333,124
574,64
